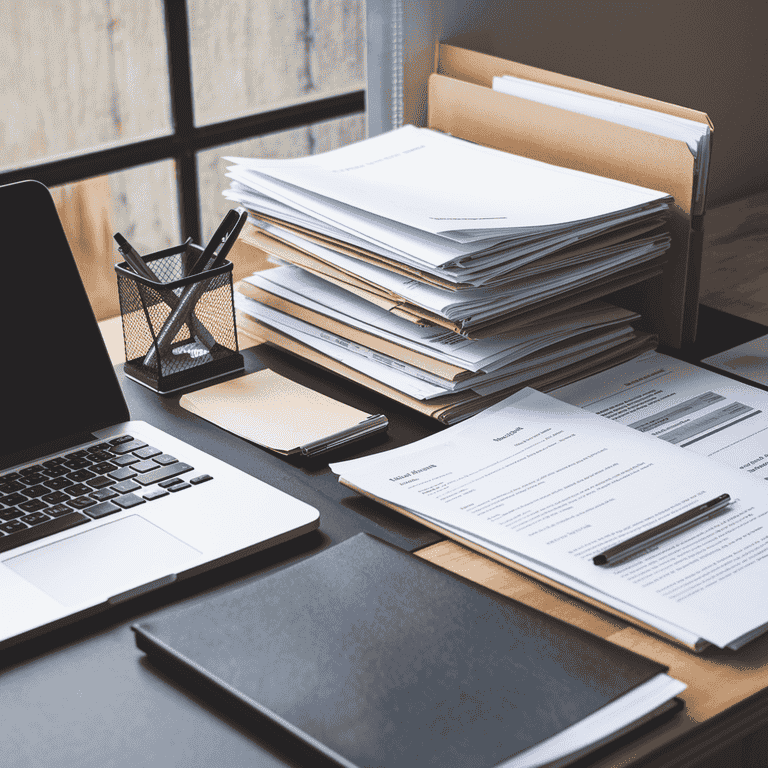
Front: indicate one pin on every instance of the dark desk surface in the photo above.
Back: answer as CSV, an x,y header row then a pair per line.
x,y
85,696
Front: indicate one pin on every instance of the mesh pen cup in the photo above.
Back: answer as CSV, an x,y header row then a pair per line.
x,y
179,330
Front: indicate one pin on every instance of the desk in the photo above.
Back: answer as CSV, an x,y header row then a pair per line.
x,y
85,696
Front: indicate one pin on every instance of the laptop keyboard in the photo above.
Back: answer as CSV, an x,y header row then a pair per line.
x,y
85,485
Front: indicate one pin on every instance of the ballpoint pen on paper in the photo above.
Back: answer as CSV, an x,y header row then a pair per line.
x,y
222,240
661,532
140,267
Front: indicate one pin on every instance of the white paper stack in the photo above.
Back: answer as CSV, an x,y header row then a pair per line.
x,y
452,231
447,272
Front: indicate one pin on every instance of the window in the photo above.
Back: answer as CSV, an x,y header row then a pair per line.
x,y
151,94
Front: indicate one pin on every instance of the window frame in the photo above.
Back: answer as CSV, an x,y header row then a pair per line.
x,y
186,139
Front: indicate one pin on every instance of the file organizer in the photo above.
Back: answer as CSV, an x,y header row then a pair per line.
x,y
204,347
461,102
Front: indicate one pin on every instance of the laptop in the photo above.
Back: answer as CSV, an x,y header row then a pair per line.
x,y
96,508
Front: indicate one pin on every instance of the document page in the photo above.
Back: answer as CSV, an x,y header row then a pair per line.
x,y
749,360
552,485
683,405
463,190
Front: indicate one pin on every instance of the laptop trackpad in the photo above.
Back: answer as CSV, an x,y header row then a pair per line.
x,y
96,564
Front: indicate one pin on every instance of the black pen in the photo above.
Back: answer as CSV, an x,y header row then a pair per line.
x,y
230,239
132,258
659,533
205,259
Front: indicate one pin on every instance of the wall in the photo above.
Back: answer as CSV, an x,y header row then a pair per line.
x,y
703,54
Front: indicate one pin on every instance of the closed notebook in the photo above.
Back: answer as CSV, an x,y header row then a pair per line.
x,y
281,414
378,658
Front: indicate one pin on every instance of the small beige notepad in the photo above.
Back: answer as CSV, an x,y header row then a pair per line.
x,y
280,414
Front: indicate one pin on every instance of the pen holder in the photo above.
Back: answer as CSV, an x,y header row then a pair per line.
x,y
179,330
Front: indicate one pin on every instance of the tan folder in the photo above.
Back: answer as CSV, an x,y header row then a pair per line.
x,y
461,102
451,408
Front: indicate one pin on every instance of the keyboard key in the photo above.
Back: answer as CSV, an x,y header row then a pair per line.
x,y
163,473
104,493
12,527
56,497
179,487
165,458
12,486
33,470
13,498
35,518
128,447
82,454
124,461
41,531
54,462
59,510
33,506
102,510
144,466
10,514
100,482
169,483
99,448
157,494
103,467
78,490
33,478
121,439
122,474
57,483
200,479
56,471
81,475
36,490
101,455
9,477
126,486
129,500
81,502
76,463
147,453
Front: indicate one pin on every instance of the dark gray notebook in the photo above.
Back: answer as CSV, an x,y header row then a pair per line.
x,y
378,658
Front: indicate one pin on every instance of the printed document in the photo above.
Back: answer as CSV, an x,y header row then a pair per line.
x,y
749,360
549,486
684,405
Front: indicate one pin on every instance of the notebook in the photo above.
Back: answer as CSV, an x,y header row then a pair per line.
x,y
282,415
96,508
375,657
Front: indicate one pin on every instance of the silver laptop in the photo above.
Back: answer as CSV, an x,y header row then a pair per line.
x,y
96,508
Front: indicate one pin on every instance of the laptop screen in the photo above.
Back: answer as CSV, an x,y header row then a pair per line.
x,y
57,376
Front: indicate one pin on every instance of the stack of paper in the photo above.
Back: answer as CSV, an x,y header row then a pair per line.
x,y
546,486
464,244
432,369
696,135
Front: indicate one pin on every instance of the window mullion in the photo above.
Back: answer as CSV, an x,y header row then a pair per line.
x,y
182,116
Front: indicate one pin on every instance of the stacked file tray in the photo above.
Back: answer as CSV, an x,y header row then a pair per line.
x,y
462,101
446,274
